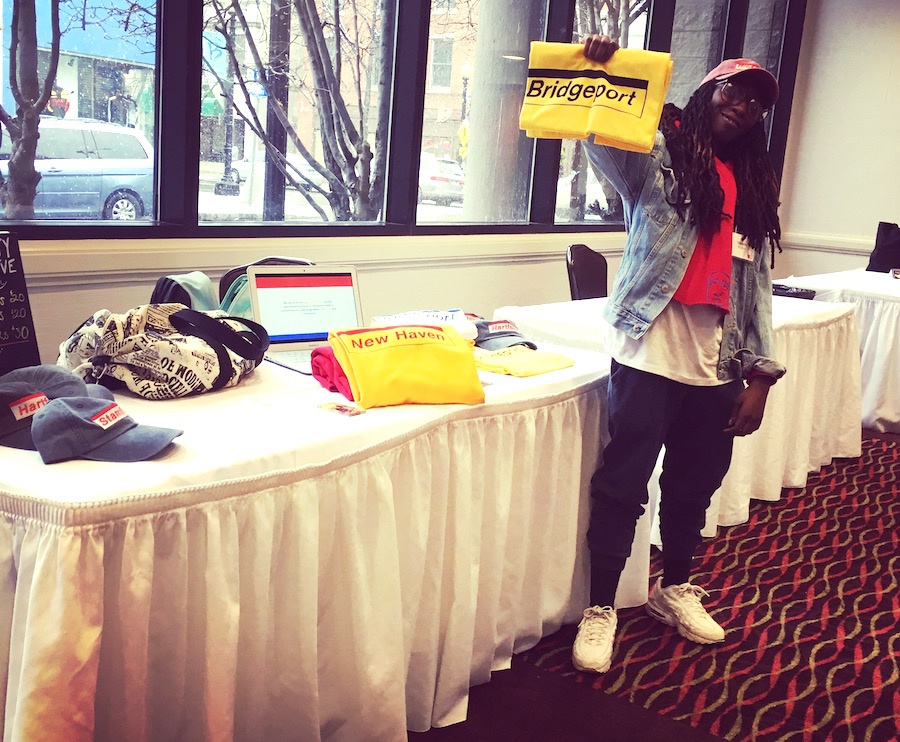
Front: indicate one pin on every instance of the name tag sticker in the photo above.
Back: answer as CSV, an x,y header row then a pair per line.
x,y
28,405
108,416
740,248
343,409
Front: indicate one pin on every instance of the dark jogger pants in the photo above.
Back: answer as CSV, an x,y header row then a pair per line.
x,y
647,411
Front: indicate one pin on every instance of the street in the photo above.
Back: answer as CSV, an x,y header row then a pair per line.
x,y
247,205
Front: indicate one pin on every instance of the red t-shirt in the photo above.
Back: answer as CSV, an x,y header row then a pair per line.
x,y
708,276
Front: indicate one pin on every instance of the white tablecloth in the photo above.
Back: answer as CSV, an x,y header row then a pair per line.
x,y
287,573
812,414
876,297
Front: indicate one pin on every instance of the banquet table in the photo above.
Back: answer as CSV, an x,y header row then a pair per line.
x,y
287,572
876,297
812,414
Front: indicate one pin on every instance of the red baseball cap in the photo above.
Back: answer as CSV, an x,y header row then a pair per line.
x,y
766,81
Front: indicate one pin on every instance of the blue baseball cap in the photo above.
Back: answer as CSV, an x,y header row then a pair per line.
x,y
497,334
97,429
26,390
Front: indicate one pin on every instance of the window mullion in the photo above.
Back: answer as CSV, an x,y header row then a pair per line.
x,y
408,105
545,167
735,29
659,26
177,145
787,77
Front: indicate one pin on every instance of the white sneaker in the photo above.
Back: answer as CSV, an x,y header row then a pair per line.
x,y
592,650
679,606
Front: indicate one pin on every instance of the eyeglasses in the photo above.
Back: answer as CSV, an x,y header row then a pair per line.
x,y
735,94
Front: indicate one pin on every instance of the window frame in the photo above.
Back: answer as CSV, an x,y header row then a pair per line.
x,y
179,63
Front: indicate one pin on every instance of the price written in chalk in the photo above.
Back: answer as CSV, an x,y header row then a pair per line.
x,y
18,345
14,307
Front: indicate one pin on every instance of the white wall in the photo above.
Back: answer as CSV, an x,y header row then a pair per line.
x,y
841,178
843,156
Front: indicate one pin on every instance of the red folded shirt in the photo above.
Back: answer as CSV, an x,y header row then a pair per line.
x,y
328,372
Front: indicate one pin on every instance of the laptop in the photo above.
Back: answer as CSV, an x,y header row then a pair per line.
x,y
299,305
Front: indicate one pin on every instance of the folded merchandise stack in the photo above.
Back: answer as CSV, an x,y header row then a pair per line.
x,y
619,102
501,349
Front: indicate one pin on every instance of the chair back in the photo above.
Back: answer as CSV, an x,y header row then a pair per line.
x,y
587,272
886,253
229,277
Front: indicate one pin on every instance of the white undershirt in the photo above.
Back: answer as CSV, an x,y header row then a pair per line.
x,y
681,344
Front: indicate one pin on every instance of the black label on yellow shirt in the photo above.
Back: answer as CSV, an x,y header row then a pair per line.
x,y
586,88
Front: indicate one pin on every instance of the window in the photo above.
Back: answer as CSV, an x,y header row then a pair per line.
x,y
119,146
441,62
301,131
473,119
698,37
366,117
580,196
105,78
62,144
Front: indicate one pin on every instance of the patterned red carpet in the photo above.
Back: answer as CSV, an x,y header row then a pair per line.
x,y
808,593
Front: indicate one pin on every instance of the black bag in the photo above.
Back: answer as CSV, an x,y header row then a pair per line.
x,y
886,254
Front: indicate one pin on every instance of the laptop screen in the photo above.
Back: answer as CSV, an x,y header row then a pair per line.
x,y
301,305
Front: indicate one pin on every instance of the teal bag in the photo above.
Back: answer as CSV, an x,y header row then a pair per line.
x,y
236,302
193,289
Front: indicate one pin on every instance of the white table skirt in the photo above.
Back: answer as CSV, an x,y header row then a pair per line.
x,y
812,414
876,297
287,573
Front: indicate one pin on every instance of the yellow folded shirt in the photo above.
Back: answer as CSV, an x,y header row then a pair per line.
x,y
403,364
520,360
567,96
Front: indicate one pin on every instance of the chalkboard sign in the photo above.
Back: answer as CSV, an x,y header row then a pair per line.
x,y
18,344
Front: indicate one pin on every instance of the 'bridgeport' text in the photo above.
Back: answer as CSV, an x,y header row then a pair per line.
x,y
575,92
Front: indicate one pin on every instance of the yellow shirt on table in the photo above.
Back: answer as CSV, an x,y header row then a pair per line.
x,y
520,360
407,364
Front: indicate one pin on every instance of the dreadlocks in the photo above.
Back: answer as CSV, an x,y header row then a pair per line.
x,y
690,144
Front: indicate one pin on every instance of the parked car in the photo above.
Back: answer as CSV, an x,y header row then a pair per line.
x,y
90,169
441,180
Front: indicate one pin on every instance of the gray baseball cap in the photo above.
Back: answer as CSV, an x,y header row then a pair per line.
x,y
26,390
90,428
497,334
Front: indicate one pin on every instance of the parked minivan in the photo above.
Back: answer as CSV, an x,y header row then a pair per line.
x,y
90,169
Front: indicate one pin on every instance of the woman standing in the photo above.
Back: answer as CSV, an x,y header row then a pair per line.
x,y
691,335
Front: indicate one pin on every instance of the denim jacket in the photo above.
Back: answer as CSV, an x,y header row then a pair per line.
x,y
658,249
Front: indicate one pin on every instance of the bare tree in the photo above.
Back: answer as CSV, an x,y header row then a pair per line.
x,y
348,53
18,190
610,17
117,19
